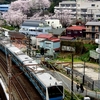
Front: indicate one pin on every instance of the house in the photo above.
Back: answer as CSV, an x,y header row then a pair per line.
x,y
48,42
92,28
83,9
16,36
75,31
42,37
54,23
57,32
34,27
50,45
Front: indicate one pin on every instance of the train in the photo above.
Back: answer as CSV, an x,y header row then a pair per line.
x,y
45,83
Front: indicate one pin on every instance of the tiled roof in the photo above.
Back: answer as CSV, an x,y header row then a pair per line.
x,y
54,39
34,23
47,36
76,28
93,23
16,35
57,31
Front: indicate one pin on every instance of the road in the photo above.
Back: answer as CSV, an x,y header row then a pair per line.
x,y
67,85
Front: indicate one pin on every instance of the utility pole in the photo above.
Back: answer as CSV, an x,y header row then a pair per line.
x,y
9,77
29,46
84,74
72,80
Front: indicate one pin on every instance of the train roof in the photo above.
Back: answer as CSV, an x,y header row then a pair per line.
x,y
14,49
48,80
30,62
34,66
23,58
45,78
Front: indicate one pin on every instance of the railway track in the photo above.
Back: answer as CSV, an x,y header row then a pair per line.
x,y
15,81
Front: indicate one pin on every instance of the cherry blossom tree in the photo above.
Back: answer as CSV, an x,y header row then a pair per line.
x,y
41,4
64,16
23,5
37,16
14,18
27,5
20,9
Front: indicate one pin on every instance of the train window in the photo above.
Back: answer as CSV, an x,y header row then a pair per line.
x,y
30,75
55,91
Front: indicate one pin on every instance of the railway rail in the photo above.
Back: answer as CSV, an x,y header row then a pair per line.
x,y
15,82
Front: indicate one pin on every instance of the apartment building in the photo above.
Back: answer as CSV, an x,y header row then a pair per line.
x,y
84,9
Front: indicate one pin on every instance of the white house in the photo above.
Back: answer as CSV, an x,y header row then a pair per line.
x,y
84,9
54,23
34,27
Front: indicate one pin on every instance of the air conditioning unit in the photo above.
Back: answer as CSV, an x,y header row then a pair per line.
x,y
87,98
97,41
97,50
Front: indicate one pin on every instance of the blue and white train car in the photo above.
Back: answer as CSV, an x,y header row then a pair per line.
x,y
48,87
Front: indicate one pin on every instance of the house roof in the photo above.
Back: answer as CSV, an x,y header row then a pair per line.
x,y
46,36
66,38
93,23
35,23
16,35
57,31
76,28
54,39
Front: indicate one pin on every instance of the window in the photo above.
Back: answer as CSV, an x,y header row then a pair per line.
x,y
99,28
92,5
80,31
69,32
67,5
93,28
73,10
48,22
73,5
40,30
75,32
46,30
78,5
97,15
62,5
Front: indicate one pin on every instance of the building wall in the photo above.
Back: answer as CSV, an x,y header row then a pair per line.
x,y
4,7
74,33
34,30
38,40
50,45
54,23
56,45
89,29
83,9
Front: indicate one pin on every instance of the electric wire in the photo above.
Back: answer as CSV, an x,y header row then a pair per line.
x,y
64,82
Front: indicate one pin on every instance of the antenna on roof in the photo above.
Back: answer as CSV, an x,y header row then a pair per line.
x,y
50,78
55,83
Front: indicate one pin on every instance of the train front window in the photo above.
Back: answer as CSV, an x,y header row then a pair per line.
x,y
55,91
